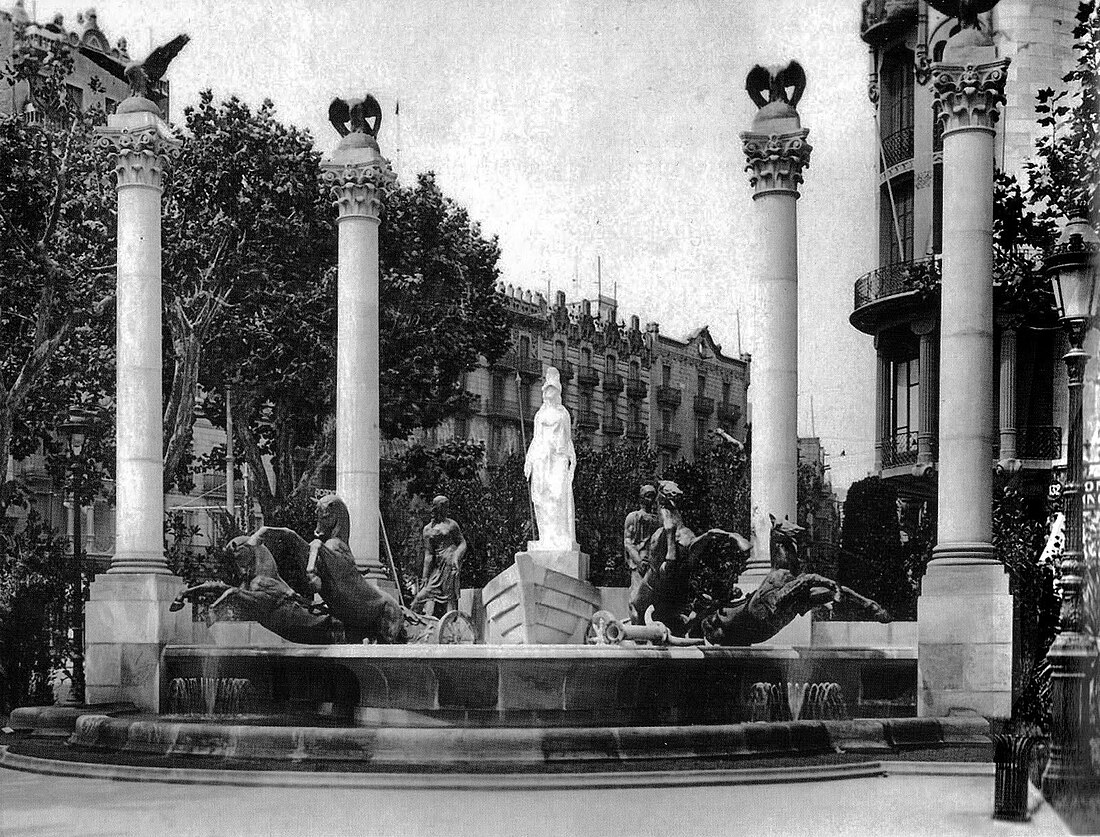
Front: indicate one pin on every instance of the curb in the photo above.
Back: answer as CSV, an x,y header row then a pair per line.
x,y
444,781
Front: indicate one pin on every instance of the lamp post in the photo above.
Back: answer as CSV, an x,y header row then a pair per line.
x,y
1072,267
75,431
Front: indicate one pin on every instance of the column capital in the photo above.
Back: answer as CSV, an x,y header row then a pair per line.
x,y
776,161
142,145
357,179
969,96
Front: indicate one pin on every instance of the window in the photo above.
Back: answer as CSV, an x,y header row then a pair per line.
x,y
76,96
701,429
498,388
725,392
585,401
559,353
611,407
586,357
890,250
666,419
524,346
461,428
666,375
635,370
701,384
905,406
896,103
609,365
635,413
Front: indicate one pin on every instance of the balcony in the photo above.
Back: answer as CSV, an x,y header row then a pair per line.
x,y
729,413
1039,441
636,388
885,19
636,431
613,427
587,377
900,450
472,405
913,281
506,362
702,405
896,148
529,367
612,382
669,396
502,408
667,439
587,420
566,369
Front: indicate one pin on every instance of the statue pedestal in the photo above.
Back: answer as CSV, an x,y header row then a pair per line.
x,y
531,604
128,623
569,561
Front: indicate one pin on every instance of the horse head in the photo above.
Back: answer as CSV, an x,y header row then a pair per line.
x,y
333,519
785,543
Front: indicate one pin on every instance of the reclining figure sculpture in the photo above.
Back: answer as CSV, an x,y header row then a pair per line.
x,y
674,550
784,594
355,605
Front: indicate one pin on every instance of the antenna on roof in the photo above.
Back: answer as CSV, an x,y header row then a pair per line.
x,y
739,352
397,137
599,282
813,427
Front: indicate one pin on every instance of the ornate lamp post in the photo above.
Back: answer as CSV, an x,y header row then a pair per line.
x,y
75,431
1073,268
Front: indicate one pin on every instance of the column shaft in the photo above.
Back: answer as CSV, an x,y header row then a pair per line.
x,y
357,434
774,467
1008,393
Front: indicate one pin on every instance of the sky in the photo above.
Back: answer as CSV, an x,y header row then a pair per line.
x,y
574,130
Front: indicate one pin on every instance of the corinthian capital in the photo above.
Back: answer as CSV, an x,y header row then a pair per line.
x,y
357,185
142,146
969,95
776,161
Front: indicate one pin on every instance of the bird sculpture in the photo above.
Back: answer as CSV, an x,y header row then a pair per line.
x,y
143,74
965,11
356,113
775,81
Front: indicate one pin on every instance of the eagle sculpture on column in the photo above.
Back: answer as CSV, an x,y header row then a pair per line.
x,y
142,74
775,81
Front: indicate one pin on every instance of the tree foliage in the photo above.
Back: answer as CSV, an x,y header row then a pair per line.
x,y
871,559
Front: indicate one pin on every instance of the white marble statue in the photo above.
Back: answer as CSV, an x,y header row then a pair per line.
x,y
551,460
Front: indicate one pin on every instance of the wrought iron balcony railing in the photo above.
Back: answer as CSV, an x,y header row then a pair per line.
x,y
896,148
900,449
636,431
703,405
587,419
636,388
1039,441
669,396
529,367
564,367
506,408
667,439
506,361
897,278
612,382
587,376
613,427
729,412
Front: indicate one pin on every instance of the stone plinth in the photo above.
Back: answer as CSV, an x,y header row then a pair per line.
x,y
128,624
570,561
529,604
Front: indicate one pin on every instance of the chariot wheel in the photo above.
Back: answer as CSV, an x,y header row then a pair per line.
x,y
597,633
454,628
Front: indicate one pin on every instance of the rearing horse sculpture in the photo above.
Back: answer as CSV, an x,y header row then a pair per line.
x,y
784,594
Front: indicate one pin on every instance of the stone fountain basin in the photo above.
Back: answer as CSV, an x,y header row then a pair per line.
x,y
530,685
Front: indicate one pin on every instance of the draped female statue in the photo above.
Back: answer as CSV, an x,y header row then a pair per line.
x,y
551,460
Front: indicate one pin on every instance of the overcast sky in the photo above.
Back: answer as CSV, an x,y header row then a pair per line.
x,y
571,129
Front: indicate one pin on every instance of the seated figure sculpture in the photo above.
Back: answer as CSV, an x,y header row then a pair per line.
x,y
674,551
263,596
783,594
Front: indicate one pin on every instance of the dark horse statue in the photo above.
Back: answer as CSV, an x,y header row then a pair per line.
x,y
674,552
784,594
263,596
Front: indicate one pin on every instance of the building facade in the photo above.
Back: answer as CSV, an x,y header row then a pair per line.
x,y
896,303
622,383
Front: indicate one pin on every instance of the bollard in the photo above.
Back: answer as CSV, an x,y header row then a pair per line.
x,y
1010,757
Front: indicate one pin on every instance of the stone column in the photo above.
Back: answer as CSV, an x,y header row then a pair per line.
x,y
965,610
1007,457
127,618
358,173
776,152
929,384
882,403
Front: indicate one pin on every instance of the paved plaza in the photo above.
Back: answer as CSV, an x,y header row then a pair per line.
x,y
957,799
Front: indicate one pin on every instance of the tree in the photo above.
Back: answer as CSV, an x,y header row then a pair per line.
x,y
56,259
438,313
871,559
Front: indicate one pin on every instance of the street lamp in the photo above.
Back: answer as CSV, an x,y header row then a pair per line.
x,y
1072,266
75,432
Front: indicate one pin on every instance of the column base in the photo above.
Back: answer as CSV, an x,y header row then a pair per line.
x,y
127,625
964,621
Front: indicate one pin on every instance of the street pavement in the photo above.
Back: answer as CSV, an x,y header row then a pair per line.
x,y
33,804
